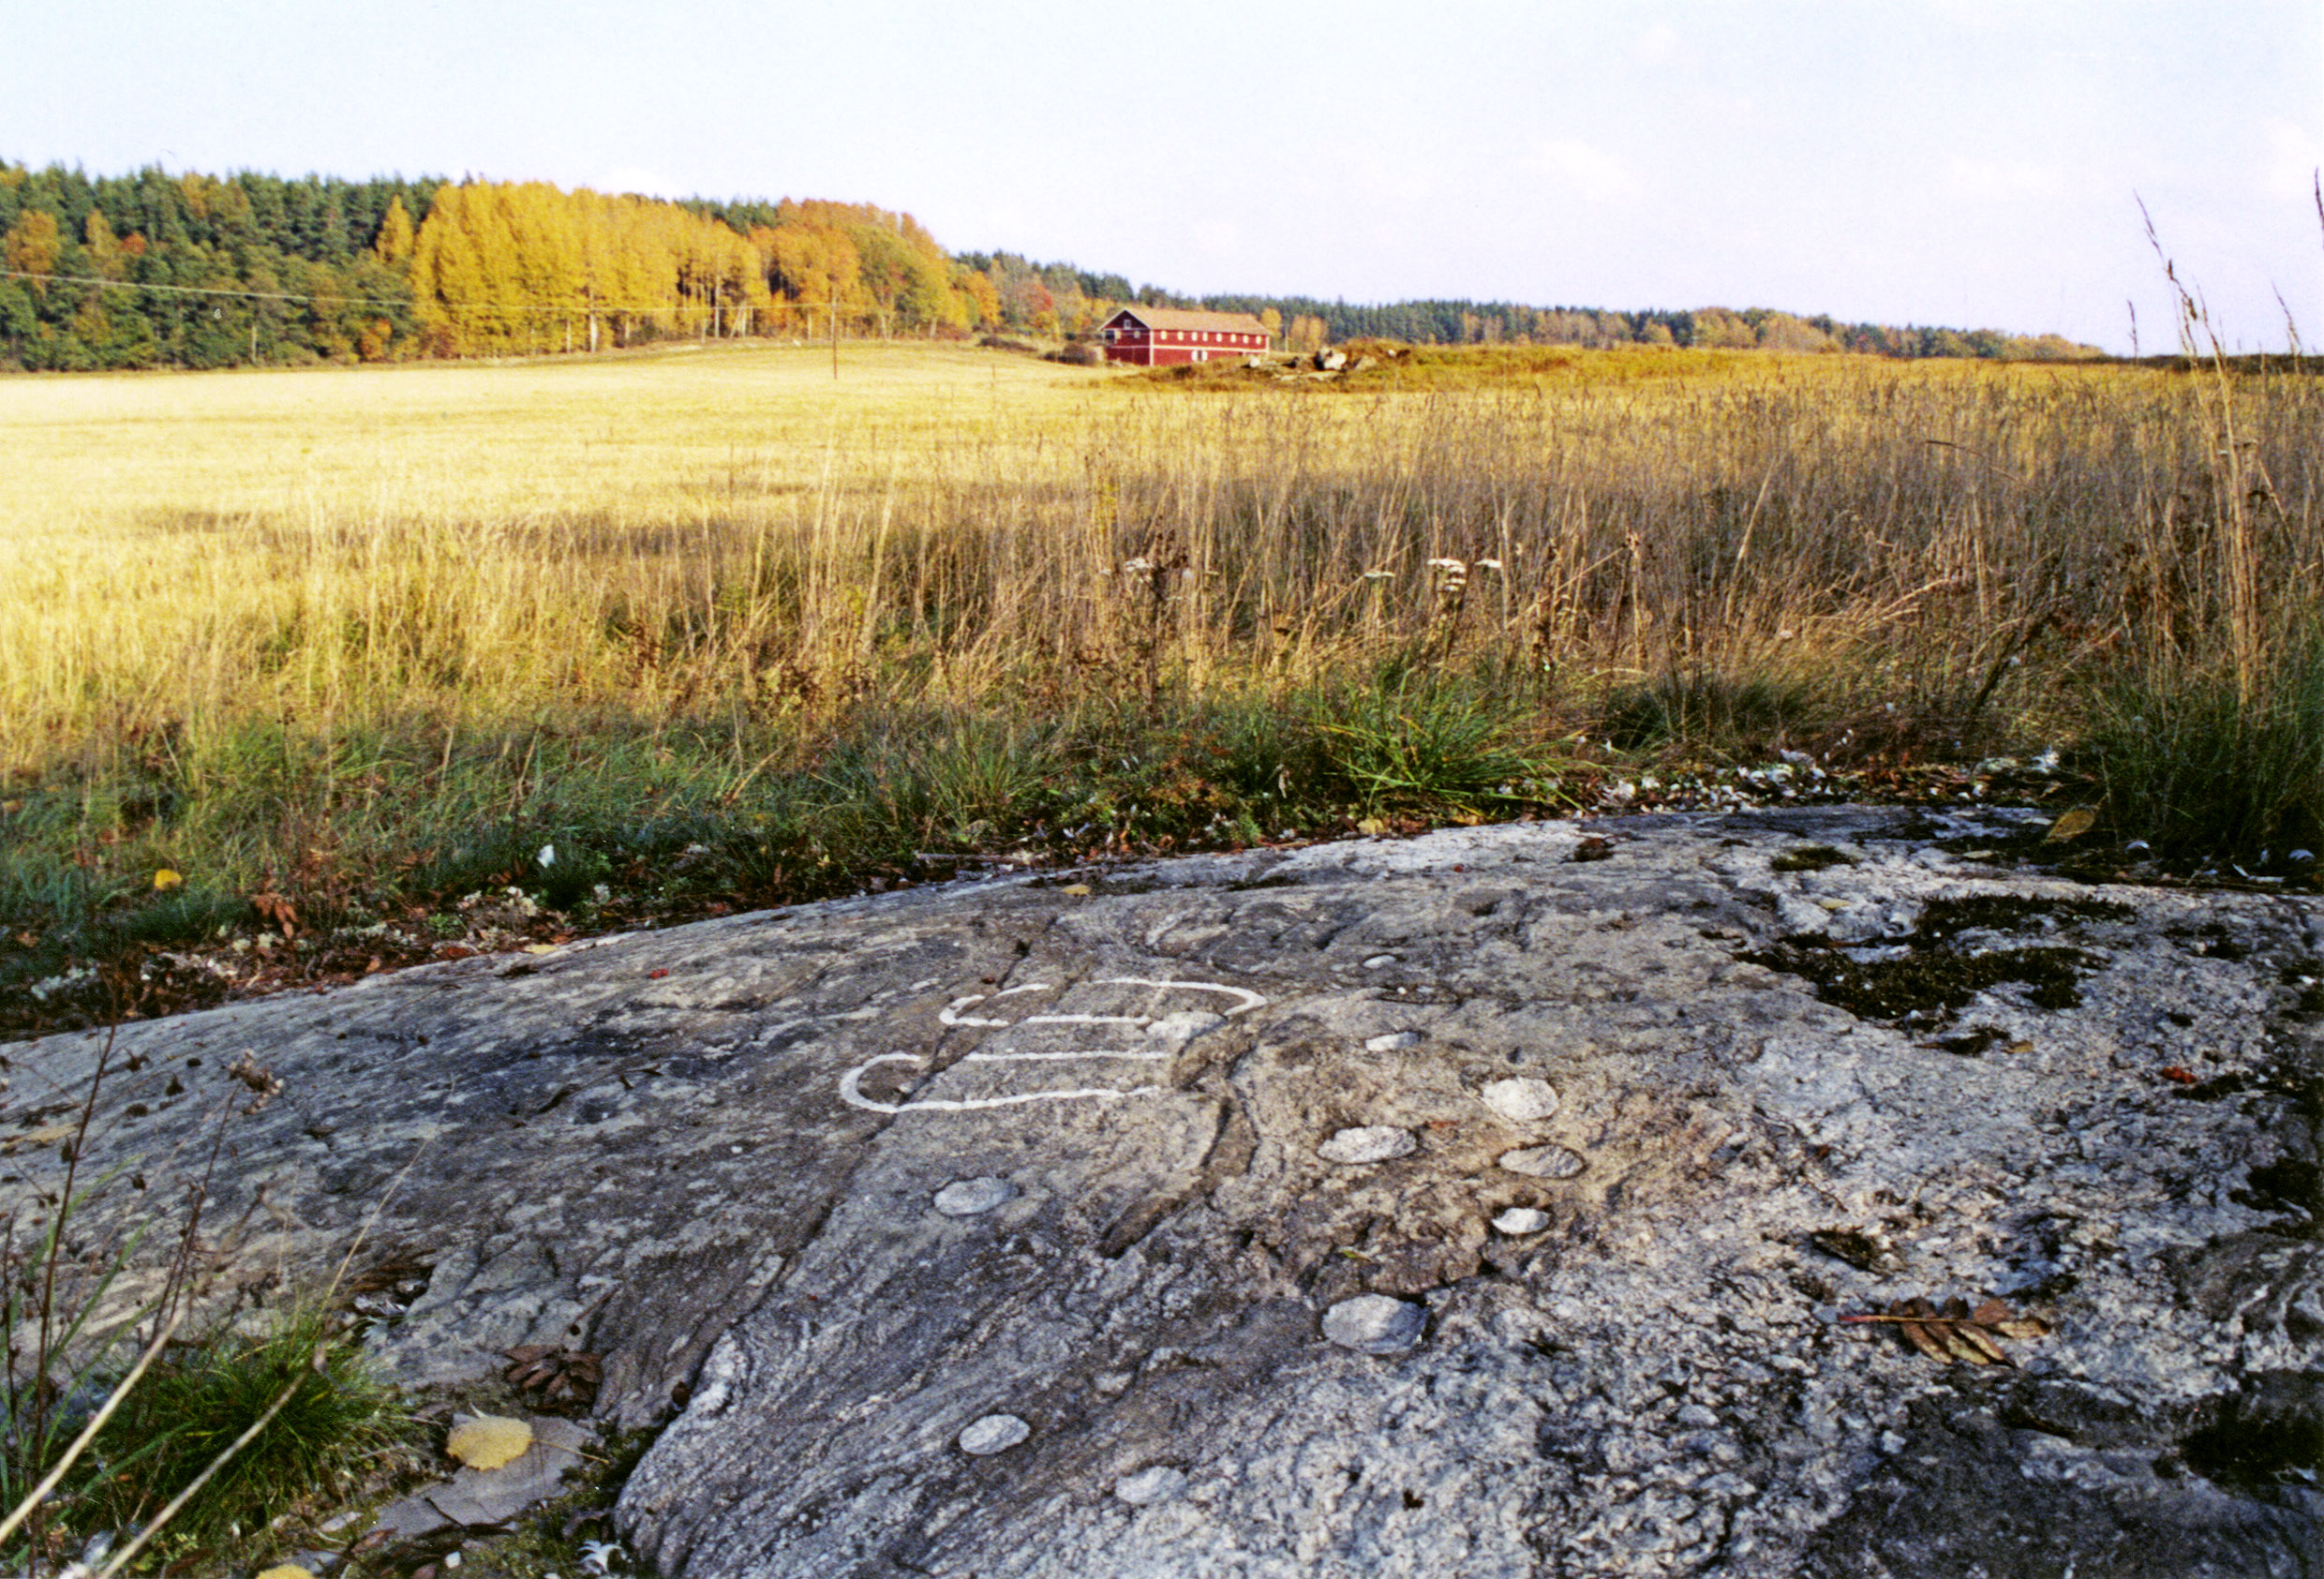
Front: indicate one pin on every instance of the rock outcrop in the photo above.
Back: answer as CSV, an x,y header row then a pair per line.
x,y
1449,1207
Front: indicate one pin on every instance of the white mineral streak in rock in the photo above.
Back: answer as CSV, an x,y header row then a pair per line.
x,y
1373,1142
966,1198
1149,1486
1393,1041
994,1433
1520,1101
1374,1324
1520,1220
1545,1162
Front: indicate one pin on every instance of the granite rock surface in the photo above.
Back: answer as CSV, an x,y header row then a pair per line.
x,y
835,1191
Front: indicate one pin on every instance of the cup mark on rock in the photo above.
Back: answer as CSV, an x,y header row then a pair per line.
x,y
969,1197
1374,1324
1521,1100
1545,1162
993,1433
1156,1484
1372,1143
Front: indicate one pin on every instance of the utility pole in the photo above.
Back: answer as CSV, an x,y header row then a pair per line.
x,y
835,333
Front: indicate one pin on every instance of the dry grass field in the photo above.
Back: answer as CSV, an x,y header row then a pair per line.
x,y
714,625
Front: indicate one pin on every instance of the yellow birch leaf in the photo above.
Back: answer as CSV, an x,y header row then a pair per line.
x,y
488,1442
165,880
2072,825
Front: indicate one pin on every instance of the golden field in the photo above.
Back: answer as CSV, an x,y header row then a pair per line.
x,y
302,626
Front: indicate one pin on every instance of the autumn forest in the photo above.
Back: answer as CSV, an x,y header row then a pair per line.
x,y
197,271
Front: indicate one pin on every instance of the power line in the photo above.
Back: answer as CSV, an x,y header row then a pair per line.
x,y
103,284
198,290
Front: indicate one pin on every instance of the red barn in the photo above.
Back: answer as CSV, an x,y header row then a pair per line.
x,y
1164,337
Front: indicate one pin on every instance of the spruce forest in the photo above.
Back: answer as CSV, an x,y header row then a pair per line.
x,y
155,270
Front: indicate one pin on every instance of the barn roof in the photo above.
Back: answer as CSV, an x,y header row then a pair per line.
x,y
1185,317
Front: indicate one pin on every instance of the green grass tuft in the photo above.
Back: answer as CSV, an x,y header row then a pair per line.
x,y
1728,718
189,1407
2199,772
1423,742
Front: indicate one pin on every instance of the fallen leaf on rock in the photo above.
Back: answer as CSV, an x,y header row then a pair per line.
x,y
47,1135
286,1570
1954,1332
559,1376
540,948
2072,825
2178,1076
1864,1251
1593,849
488,1442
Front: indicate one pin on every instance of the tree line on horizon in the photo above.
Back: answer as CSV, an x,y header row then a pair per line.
x,y
190,270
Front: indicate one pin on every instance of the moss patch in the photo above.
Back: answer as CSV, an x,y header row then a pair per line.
x,y
1924,989
1925,979
1811,858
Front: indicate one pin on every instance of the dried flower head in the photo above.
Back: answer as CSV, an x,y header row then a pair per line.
x,y
259,1079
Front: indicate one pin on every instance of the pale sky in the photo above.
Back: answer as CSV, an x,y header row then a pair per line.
x,y
1975,163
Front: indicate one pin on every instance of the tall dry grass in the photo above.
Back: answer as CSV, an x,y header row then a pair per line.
x,y
256,621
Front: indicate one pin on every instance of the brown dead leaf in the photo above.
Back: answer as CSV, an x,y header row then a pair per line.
x,y
1593,848
1993,1313
276,910
1954,1332
555,1374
